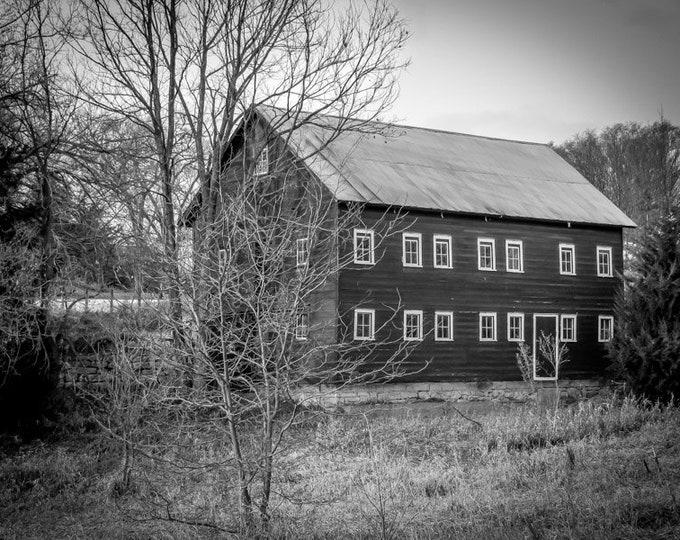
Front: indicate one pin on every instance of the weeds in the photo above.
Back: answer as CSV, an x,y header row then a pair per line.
x,y
596,470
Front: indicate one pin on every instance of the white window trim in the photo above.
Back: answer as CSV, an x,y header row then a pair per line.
x,y
419,314
262,162
600,319
607,250
481,241
572,248
370,312
299,335
562,338
449,315
514,243
495,325
449,242
302,242
412,236
371,236
510,316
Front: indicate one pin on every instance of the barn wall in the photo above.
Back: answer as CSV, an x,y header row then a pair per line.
x,y
466,291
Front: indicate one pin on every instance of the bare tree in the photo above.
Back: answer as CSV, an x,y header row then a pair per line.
x,y
189,73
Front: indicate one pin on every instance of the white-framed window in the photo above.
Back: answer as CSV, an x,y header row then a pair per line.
x,y
486,254
443,325
604,261
221,259
364,246
605,328
568,328
567,259
442,251
302,251
515,326
514,256
364,324
262,163
413,325
487,327
412,249
302,327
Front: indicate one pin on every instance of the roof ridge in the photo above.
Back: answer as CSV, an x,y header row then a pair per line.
x,y
422,128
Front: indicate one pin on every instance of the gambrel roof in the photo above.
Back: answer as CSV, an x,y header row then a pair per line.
x,y
452,172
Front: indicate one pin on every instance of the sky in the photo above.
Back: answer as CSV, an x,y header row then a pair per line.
x,y
538,70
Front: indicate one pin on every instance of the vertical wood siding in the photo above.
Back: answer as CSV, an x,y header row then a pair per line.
x,y
467,291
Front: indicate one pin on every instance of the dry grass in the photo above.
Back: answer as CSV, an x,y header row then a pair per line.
x,y
608,470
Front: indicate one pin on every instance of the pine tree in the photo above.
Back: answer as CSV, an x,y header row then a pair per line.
x,y
645,348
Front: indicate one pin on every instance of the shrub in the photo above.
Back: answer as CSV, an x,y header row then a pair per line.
x,y
645,348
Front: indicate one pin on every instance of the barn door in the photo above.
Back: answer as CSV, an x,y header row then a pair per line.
x,y
545,362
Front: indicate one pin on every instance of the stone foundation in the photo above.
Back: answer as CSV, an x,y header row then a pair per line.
x,y
501,391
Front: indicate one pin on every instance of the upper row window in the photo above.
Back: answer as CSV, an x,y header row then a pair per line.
x,y
262,164
412,250
364,246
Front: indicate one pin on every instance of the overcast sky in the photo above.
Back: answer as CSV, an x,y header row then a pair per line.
x,y
539,70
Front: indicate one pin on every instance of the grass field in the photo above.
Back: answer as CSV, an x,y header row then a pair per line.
x,y
607,470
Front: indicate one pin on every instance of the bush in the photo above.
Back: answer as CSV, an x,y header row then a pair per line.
x,y
645,348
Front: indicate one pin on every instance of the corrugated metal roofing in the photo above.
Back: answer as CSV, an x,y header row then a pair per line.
x,y
453,172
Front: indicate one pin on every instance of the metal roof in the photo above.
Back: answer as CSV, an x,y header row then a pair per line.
x,y
453,172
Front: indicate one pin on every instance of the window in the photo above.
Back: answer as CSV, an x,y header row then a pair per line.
x,y
605,328
222,259
364,324
413,325
568,328
487,327
604,261
302,327
363,246
262,164
412,250
515,326
302,251
442,251
486,250
567,259
443,326
514,257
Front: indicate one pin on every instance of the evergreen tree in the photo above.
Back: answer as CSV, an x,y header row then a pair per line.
x,y
645,348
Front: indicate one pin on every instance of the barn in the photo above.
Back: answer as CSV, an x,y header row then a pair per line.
x,y
499,242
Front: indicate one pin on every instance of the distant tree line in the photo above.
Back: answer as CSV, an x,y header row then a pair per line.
x,y
636,166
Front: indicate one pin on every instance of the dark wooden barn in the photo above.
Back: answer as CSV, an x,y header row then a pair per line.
x,y
498,241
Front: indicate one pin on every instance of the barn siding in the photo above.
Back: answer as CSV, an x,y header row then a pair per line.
x,y
466,291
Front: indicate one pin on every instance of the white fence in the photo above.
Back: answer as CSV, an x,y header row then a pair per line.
x,y
108,303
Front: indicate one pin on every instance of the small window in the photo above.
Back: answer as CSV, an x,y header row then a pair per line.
x,y
413,255
302,327
486,251
487,327
443,326
262,164
302,251
568,328
442,251
222,259
364,324
413,325
604,261
605,328
363,246
514,256
515,326
567,259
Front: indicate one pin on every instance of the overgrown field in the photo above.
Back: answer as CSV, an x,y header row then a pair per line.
x,y
607,470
